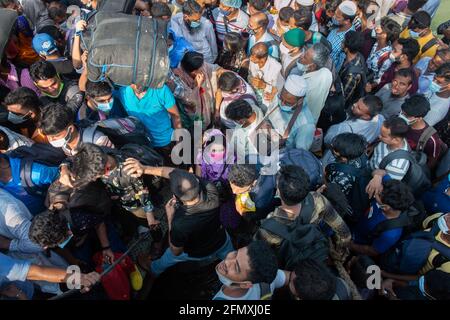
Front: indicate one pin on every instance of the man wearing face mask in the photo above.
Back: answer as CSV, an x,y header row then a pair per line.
x,y
413,111
53,88
342,21
402,55
290,116
58,125
24,111
419,29
247,272
395,199
440,95
312,66
427,67
100,103
258,30
196,29
229,17
264,74
291,49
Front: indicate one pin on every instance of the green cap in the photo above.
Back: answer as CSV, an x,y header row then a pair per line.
x,y
295,37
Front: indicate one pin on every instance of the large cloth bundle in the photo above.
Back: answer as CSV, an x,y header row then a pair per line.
x,y
124,6
7,19
128,49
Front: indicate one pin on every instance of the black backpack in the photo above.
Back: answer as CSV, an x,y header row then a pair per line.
x,y
301,239
416,177
41,153
358,197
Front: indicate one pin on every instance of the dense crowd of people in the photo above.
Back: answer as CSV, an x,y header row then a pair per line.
x,y
300,147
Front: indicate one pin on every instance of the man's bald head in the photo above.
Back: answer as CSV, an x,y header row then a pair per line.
x,y
260,50
258,19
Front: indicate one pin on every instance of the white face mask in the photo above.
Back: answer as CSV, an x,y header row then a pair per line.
x,y
283,49
443,225
60,143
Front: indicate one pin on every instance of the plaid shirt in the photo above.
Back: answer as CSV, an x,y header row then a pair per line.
x,y
337,54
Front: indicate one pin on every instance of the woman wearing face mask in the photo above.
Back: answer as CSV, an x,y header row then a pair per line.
x,y
213,163
378,62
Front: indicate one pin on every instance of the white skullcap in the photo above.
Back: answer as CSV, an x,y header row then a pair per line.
x,y
295,85
348,7
305,3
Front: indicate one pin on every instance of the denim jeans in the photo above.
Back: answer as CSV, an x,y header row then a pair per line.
x,y
168,259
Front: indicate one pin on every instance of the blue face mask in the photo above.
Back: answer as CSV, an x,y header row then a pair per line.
x,y
170,49
443,225
195,24
285,108
16,119
414,34
335,22
374,34
105,107
434,87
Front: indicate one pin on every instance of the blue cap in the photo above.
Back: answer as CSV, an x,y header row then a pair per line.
x,y
44,44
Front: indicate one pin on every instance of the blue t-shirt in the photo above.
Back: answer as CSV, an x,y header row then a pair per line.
x,y
151,110
437,199
41,175
368,223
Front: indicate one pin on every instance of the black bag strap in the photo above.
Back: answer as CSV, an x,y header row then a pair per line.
x,y
266,293
25,178
396,155
402,221
424,137
432,42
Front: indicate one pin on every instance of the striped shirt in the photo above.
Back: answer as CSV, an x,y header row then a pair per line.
x,y
238,24
336,39
396,169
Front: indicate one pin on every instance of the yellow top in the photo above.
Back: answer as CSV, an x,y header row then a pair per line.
x,y
422,42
